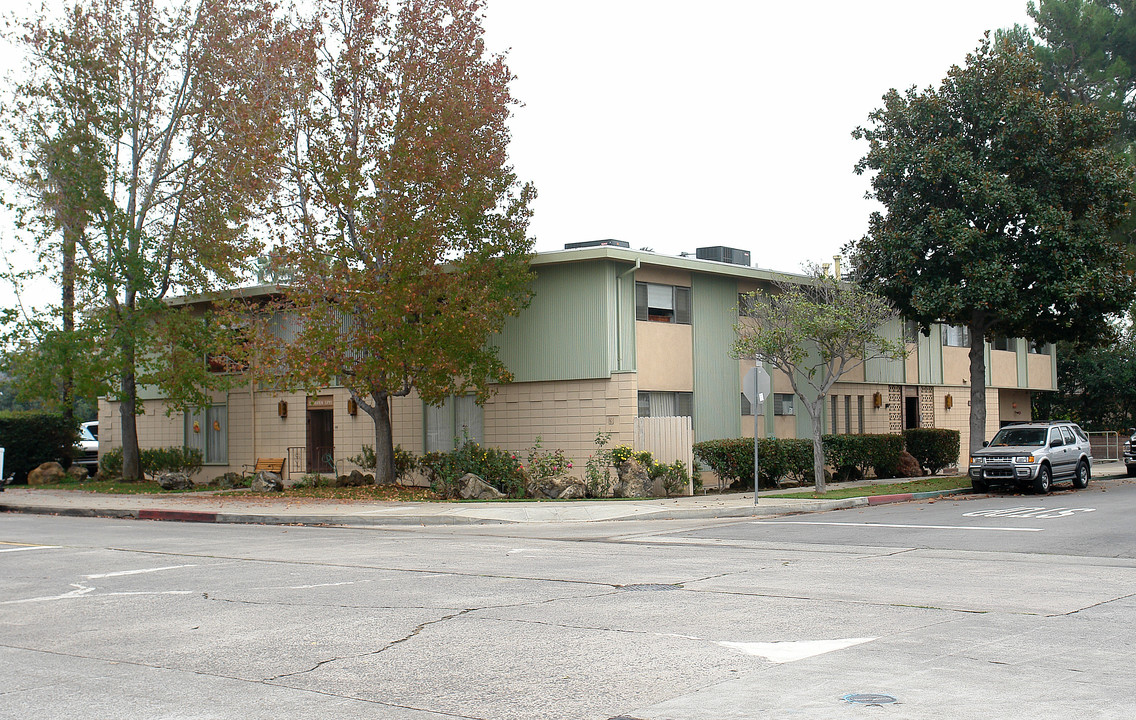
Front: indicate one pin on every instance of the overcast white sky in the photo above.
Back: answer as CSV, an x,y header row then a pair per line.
x,y
677,125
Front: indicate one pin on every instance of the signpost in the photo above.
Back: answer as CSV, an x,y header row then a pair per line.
x,y
756,387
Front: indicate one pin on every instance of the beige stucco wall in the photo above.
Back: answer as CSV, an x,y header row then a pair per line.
x,y
956,365
664,356
1003,369
566,414
1040,371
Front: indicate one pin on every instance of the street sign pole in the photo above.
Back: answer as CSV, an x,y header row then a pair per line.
x,y
756,387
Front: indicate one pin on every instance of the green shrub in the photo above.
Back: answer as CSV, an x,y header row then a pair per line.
x,y
621,454
499,468
545,464
732,460
110,464
404,461
154,461
853,455
934,448
597,471
674,476
32,438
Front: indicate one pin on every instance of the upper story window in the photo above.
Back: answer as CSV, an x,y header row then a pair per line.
x,y
1004,343
956,335
783,404
662,303
1038,348
910,332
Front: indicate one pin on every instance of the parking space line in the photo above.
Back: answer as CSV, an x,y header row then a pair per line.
x,y
888,525
28,547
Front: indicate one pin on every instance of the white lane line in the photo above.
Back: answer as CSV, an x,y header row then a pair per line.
x,y
79,591
30,547
120,573
886,525
784,652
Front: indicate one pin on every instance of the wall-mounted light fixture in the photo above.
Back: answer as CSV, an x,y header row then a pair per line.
x,y
352,407
877,400
949,401
282,408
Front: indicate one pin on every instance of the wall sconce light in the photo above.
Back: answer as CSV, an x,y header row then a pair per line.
x,y
949,401
877,400
282,408
352,407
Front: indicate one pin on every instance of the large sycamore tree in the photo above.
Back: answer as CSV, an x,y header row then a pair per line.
x,y
816,330
138,146
1000,201
407,245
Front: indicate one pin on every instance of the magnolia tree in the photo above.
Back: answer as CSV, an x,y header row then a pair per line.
x,y
815,330
407,228
138,145
1000,202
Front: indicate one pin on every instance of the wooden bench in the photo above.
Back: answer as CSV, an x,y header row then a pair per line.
x,y
275,465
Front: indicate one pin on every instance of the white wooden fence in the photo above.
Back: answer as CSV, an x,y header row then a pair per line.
x,y
668,439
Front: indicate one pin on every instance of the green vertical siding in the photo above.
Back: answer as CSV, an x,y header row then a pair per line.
x,y
1022,358
717,389
570,330
882,370
930,352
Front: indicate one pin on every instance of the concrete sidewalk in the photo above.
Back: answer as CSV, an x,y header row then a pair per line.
x,y
275,510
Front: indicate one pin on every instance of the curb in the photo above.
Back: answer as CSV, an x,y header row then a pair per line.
x,y
421,520
905,497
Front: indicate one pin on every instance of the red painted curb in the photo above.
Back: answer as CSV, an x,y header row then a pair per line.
x,y
179,515
881,499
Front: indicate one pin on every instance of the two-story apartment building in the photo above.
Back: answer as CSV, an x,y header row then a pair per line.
x,y
611,334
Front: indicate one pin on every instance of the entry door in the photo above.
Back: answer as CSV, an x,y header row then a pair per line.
x,y
321,441
910,413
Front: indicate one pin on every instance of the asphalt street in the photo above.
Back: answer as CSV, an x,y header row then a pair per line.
x,y
1002,606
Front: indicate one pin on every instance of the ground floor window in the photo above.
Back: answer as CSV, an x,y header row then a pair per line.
x,y
458,419
666,404
207,429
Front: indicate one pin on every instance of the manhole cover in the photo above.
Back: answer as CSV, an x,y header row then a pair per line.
x,y
649,587
868,699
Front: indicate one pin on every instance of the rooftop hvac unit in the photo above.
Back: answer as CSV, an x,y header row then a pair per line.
x,y
596,243
719,253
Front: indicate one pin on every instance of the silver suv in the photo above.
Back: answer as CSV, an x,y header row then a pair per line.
x,y
1033,455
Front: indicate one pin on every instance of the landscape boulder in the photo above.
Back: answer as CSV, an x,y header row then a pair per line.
x,y
558,488
908,466
227,481
355,479
175,481
632,481
265,481
471,487
49,472
78,473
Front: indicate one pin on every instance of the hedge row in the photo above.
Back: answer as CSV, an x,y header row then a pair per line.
x,y
32,438
852,456
154,461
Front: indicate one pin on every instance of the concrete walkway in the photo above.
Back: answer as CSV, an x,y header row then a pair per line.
x,y
275,510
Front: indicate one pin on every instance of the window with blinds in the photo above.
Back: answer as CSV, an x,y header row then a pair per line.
x,y
662,303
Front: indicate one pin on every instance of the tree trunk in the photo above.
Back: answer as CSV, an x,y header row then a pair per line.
x,y
131,463
68,309
815,411
384,442
977,381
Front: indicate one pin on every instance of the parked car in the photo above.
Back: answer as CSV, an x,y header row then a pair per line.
x,y
1129,453
92,427
1033,455
87,449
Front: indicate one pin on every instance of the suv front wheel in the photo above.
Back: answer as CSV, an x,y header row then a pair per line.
x,y
1081,479
1044,480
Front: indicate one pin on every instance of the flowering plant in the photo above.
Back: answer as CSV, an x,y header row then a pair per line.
x,y
544,464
